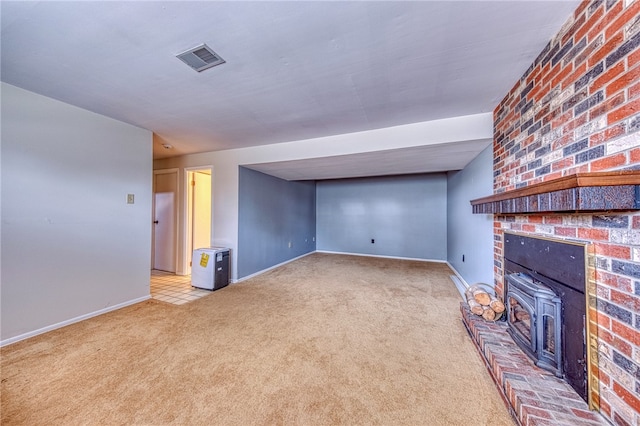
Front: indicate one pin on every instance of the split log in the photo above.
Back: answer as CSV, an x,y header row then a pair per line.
x,y
479,294
496,304
522,315
488,313
475,307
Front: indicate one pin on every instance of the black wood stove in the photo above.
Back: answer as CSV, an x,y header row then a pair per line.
x,y
546,305
535,321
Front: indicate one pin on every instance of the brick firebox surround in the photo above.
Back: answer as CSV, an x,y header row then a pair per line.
x,y
575,111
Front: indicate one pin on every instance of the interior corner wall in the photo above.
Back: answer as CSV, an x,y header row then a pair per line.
x,y
470,235
277,221
405,215
71,245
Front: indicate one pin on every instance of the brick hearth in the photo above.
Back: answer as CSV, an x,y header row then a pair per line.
x,y
534,396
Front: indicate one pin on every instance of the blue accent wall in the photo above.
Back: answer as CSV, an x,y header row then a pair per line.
x,y
272,213
470,234
405,215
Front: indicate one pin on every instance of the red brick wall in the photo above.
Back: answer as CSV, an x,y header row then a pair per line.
x,y
577,109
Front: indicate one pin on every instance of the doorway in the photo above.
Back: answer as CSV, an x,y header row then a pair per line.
x,y
164,235
198,212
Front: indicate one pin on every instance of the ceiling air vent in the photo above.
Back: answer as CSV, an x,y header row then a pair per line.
x,y
200,58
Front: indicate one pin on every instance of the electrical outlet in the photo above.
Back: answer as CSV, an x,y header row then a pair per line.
x,y
290,244
373,241
130,198
313,239
463,257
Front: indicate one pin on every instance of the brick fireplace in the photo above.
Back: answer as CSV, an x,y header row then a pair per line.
x,y
561,136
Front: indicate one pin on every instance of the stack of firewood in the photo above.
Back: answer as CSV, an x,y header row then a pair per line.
x,y
483,303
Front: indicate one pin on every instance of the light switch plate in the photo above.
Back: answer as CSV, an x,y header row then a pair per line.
x,y
130,198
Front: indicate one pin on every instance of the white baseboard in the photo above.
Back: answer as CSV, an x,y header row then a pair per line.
x,y
460,282
239,280
72,321
461,285
381,256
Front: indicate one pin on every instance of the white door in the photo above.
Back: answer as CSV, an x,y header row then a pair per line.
x,y
164,241
164,221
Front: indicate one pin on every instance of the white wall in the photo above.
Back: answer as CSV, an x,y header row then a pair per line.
x,y
71,245
406,216
470,234
225,164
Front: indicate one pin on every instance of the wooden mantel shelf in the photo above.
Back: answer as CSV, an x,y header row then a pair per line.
x,y
598,191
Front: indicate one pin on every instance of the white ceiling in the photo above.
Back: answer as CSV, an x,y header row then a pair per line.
x,y
293,71
431,158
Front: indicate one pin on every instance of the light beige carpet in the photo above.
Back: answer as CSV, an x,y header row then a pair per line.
x,y
327,339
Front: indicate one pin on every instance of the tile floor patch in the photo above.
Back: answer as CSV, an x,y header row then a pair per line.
x,y
174,289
